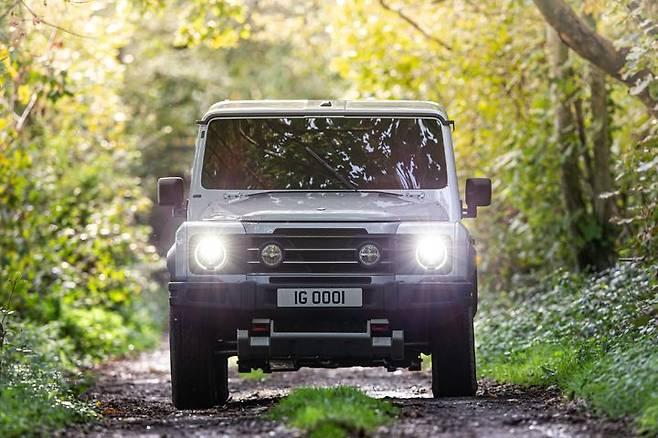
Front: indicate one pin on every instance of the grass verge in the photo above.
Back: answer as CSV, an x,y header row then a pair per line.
x,y
594,337
333,412
35,394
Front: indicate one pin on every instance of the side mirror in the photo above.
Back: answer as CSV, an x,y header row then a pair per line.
x,y
478,194
170,192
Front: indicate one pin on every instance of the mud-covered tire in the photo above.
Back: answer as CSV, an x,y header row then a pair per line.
x,y
199,380
453,354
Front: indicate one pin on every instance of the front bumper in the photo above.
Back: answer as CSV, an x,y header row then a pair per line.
x,y
412,310
382,296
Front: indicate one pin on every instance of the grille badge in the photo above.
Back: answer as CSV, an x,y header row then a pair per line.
x,y
271,255
369,254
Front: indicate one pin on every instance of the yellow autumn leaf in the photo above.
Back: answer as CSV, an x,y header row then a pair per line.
x,y
24,94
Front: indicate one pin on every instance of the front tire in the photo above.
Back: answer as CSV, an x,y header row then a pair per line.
x,y
199,380
453,354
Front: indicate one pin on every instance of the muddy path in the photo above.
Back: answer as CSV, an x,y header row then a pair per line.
x,y
134,396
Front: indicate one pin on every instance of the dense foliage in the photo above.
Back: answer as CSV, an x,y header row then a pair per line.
x,y
69,214
593,336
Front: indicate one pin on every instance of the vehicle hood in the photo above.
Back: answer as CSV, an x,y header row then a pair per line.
x,y
328,206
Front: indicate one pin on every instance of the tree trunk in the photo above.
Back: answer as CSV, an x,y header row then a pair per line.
x,y
601,145
566,138
2,343
576,34
601,172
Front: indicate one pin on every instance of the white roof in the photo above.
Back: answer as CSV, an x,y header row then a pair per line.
x,y
337,107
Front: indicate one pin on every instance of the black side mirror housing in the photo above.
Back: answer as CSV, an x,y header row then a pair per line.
x,y
170,192
478,194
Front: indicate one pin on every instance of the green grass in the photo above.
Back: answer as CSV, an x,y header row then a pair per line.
x,y
333,412
593,337
254,375
540,365
257,374
620,382
426,362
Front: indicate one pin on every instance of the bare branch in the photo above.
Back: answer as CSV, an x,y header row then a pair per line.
x,y
9,9
413,24
11,295
482,11
20,123
596,49
54,26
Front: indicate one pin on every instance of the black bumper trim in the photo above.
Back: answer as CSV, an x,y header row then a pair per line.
x,y
251,296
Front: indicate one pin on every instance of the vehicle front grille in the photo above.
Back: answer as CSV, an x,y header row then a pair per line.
x,y
326,251
320,280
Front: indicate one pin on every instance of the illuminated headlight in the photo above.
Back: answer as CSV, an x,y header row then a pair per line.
x,y
432,253
271,255
210,253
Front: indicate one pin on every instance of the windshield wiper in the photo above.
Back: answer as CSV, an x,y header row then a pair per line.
x,y
242,196
384,192
346,183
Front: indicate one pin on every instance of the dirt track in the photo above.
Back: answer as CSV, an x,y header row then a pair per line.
x,y
134,396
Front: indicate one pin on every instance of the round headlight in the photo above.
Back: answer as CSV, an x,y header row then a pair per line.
x,y
271,255
432,253
369,254
210,253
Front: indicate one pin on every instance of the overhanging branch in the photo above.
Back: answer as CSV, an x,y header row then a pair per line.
x,y
414,24
596,49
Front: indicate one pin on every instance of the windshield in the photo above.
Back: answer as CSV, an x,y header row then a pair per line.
x,y
324,153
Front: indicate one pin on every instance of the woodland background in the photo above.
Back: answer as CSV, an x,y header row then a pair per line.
x,y
556,101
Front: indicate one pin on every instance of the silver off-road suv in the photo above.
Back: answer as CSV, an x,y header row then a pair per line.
x,y
321,234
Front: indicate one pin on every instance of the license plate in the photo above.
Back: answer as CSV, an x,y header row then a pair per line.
x,y
325,297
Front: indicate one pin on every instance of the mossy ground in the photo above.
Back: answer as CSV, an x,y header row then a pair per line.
x,y
333,412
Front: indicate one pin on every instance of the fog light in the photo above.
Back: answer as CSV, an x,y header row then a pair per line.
x,y
271,255
432,253
210,253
